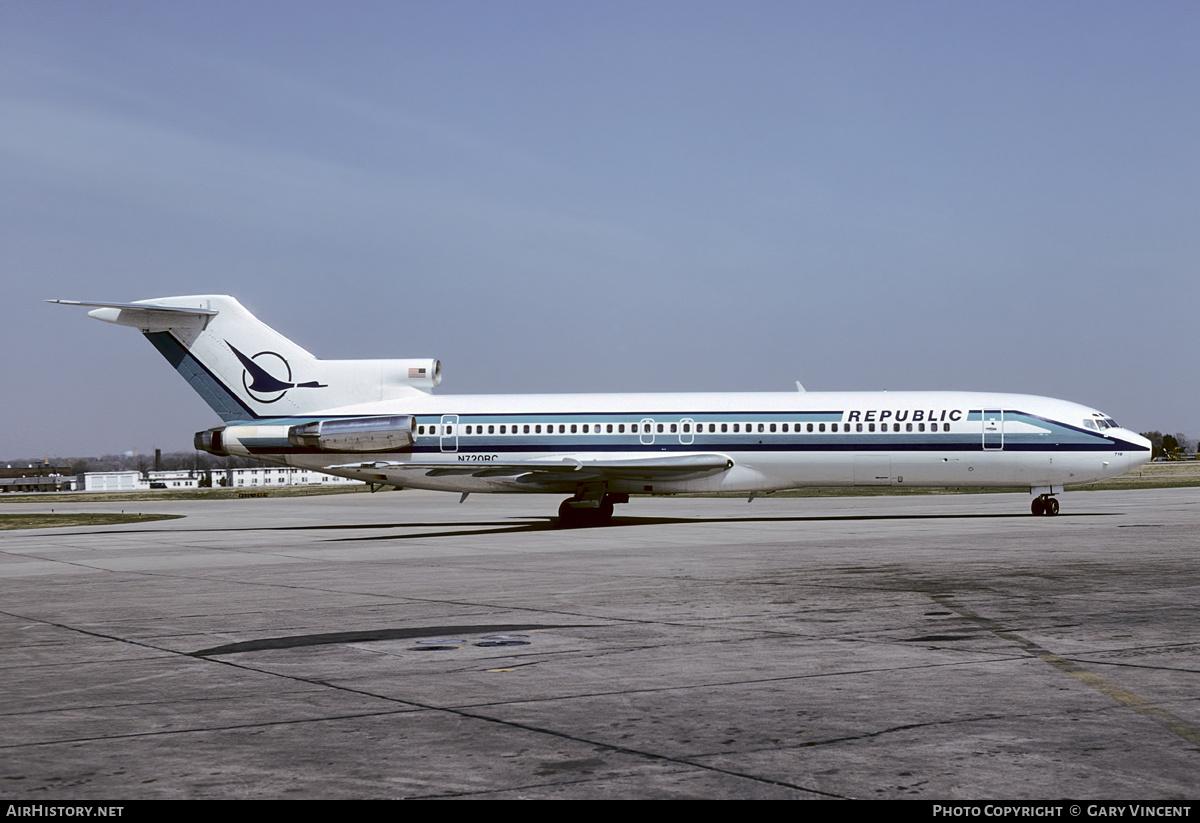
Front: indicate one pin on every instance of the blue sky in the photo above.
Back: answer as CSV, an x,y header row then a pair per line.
x,y
612,196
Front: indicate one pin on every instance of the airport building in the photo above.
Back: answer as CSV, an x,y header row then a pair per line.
x,y
37,483
43,478
129,481
275,477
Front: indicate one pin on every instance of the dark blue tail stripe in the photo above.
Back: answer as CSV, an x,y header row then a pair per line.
x,y
219,398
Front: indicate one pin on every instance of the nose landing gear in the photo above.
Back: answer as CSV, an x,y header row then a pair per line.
x,y
1044,505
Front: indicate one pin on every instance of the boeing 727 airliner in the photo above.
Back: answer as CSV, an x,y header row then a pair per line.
x,y
379,421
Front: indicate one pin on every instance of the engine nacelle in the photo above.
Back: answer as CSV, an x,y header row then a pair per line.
x,y
211,441
355,434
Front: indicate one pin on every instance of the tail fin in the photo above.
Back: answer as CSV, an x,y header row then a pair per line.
x,y
244,369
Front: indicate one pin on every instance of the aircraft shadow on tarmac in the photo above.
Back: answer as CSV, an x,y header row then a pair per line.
x,y
540,524
553,524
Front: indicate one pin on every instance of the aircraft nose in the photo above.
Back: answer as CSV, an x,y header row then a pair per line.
x,y
1139,457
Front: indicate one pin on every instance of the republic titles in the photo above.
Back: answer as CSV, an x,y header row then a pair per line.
x,y
904,416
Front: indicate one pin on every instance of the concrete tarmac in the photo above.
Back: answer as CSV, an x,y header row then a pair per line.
x,y
402,645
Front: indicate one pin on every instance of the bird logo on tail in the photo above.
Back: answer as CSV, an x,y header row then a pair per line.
x,y
263,386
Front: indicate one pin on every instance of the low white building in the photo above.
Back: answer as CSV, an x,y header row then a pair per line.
x,y
277,476
274,477
130,481
175,480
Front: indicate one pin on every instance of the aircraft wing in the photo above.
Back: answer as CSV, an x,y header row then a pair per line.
x,y
558,470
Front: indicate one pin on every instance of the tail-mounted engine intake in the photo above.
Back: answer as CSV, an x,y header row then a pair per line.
x,y
418,374
355,434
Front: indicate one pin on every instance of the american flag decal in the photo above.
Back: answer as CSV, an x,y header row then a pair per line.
x,y
416,372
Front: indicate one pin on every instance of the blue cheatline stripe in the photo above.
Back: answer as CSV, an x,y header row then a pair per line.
x,y
219,398
1062,437
266,446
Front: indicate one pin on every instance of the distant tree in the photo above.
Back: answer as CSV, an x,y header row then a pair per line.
x,y
1171,447
171,461
175,461
1156,443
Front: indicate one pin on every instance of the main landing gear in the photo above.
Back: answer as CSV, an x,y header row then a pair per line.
x,y
588,510
1044,504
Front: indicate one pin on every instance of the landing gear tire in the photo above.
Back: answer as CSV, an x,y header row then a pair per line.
x,y
570,517
1044,505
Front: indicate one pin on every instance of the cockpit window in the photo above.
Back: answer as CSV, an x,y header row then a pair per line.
x,y
1091,424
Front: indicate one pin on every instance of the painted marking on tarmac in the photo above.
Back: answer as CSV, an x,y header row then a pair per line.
x,y
1173,723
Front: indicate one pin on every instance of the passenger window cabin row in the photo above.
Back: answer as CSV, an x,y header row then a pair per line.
x,y
676,428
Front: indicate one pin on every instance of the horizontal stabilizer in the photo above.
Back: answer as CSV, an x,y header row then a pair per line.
x,y
140,307
149,316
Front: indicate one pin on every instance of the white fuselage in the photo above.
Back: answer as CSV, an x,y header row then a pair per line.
x,y
773,440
